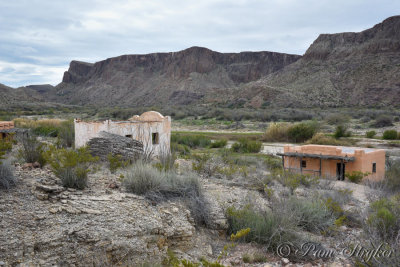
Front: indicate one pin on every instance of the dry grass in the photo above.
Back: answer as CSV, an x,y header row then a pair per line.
x,y
28,123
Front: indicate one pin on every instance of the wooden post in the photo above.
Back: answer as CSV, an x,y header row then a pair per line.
x,y
301,165
341,171
320,167
283,162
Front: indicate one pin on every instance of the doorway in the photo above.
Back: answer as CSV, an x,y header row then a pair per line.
x,y
339,173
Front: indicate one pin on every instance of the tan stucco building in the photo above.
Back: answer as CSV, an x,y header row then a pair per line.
x,y
334,161
151,128
5,127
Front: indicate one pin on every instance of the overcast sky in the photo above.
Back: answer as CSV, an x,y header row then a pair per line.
x,y
38,39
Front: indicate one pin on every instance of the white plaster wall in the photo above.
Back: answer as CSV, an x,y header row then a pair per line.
x,y
140,130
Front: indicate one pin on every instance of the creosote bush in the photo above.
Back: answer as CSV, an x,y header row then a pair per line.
x,y
156,185
370,134
219,143
71,166
341,131
301,132
390,135
115,162
356,176
66,133
191,140
32,151
246,146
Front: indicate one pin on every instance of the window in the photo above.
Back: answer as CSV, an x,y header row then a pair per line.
x,y
374,167
154,138
303,164
128,135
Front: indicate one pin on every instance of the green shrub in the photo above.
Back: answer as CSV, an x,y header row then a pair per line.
x,y
356,176
322,139
392,175
341,131
191,140
390,135
384,217
180,149
301,132
370,134
71,166
277,132
246,146
115,162
32,151
273,162
66,133
219,143
293,180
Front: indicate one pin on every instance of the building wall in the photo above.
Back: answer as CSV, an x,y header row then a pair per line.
x,y
138,127
5,125
363,161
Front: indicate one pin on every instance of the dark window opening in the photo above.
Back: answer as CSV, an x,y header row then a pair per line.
x,y
374,167
303,164
128,135
154,138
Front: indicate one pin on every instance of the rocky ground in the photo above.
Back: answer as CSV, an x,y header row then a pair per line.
x,y
45,224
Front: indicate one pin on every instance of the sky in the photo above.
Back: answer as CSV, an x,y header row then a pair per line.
x,y
38,39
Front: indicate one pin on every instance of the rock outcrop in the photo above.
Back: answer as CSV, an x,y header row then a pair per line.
x,y
184,77
344,69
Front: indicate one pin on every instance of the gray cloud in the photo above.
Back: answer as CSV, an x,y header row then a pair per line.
x,y
38,39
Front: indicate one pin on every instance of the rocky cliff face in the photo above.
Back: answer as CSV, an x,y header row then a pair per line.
x,y
184,77
344,69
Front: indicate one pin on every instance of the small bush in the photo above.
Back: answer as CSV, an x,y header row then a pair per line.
x,y
32,151
246,146
7,178
392,174
301,132
66,133
384,217
219,143
273,162
71,166
390,135
383,121
356,176
277,132
322,139
180,149
191,140
115,162
341,131
370,134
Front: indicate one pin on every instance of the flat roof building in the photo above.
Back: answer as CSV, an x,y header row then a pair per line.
x,y
334,161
